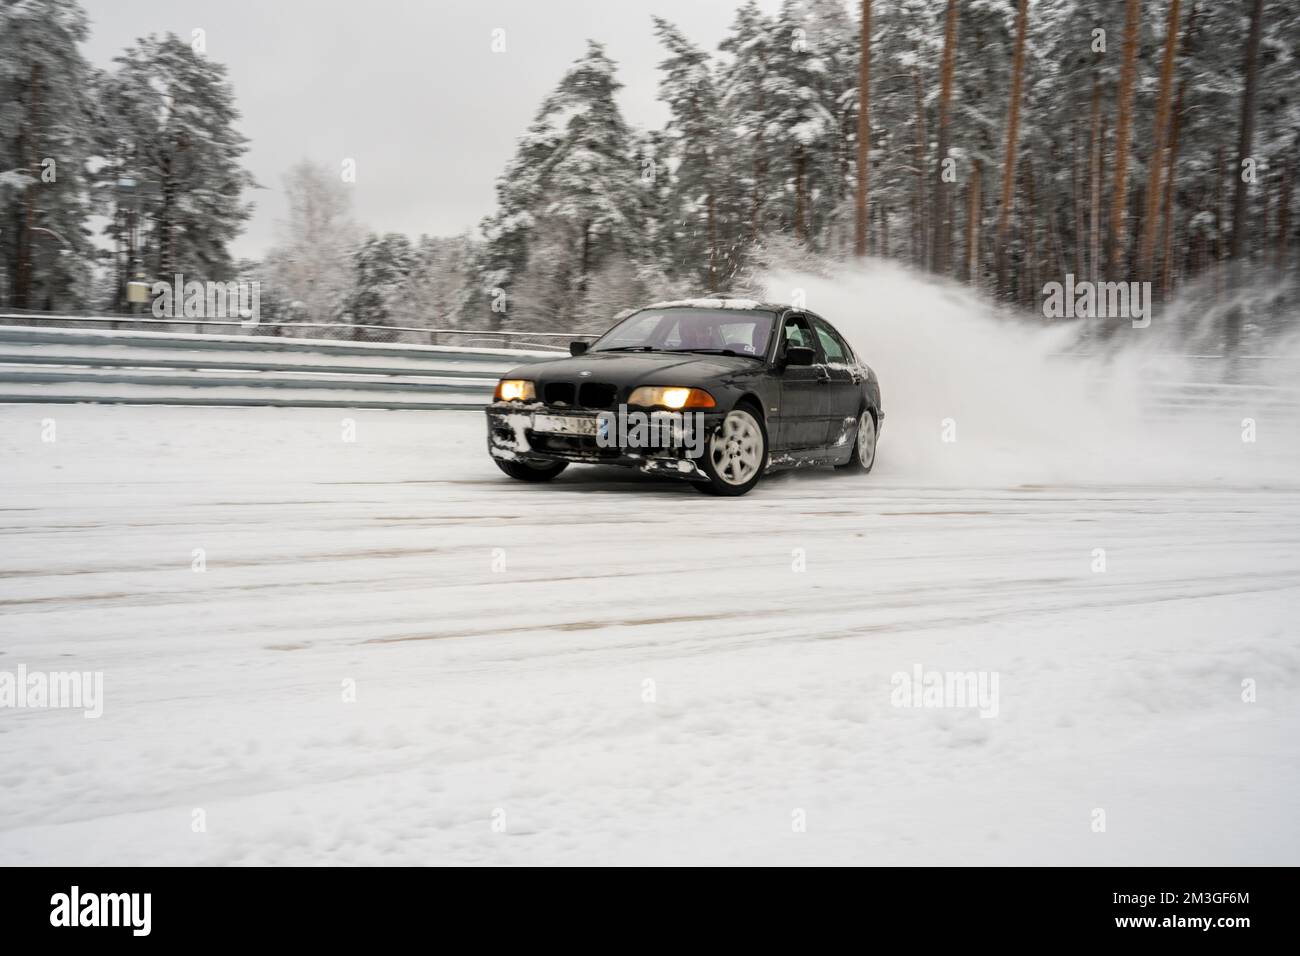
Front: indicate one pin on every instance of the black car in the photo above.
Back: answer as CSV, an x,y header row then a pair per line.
x,y
715,391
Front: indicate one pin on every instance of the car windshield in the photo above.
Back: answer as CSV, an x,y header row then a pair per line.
x,y
721,331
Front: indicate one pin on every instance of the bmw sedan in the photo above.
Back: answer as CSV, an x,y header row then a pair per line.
x,y
718,392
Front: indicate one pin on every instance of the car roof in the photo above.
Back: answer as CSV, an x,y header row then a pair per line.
x,y
719,302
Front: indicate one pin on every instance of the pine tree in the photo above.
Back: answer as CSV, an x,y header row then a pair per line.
x,y
382,265
749,111
45,144
571,188
906,58
172,156
698,143
801,94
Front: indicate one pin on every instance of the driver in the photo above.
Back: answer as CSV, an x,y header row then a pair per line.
x,y
698,335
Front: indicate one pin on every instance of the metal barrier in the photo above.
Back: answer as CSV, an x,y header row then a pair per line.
x,y
102,365
97,363
316,331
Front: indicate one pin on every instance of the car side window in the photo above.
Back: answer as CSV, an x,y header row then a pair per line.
x,y
832,344
795,331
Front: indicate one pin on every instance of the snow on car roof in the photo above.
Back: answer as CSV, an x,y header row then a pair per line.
x,y
709,304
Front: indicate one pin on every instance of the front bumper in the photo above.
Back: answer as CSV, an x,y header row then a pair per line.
x,y
512,437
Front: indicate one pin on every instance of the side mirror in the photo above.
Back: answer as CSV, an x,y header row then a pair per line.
x,y
577,348
799,355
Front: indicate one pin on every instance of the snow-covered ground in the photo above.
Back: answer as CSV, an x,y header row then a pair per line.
x,y
611,669
394,654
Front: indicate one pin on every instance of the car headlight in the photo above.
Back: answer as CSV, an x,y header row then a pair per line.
x,y
516,390
659,396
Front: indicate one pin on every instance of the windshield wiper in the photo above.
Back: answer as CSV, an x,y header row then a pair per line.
x,y
715,352
630,348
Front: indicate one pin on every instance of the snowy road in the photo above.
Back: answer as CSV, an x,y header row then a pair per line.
x,y
614,670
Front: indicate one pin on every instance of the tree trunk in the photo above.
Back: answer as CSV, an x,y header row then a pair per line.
x,y
1250,69
166,255
760,169
1123,129
1076,202
1245,138
973,272
939,250
586,257
1097,153
711,204
1029,219
864,132
30,156
1284,211
1160,136
799,163
1013,136
1167,224
920,223
1219,229
1171,161
1055,245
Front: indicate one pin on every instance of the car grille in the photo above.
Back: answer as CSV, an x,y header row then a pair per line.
x,y
586,395
596,395
558,393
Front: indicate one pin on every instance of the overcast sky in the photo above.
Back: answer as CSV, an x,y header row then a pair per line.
x,y
408,88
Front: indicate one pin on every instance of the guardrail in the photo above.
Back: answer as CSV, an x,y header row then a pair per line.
x,y
100,365
316,331
96,363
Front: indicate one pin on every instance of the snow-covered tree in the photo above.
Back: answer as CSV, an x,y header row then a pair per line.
x,y
698,140
45,143
172,170
312,264
748,111
433,295
382,266
803,90
573,185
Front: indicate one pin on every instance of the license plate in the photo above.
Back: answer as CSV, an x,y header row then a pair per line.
x,y
564,425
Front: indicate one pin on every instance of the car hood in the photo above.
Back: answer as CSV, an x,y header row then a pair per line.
x,y
630,369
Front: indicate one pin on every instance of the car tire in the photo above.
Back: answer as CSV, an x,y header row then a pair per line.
x,y
863,456
522,471
736,453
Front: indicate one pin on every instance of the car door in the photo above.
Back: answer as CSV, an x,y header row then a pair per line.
x,y
844,388
803,389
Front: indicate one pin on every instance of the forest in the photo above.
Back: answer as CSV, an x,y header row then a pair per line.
x,y
1000,144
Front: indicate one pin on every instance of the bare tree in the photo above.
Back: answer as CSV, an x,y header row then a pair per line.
x,y
311,264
